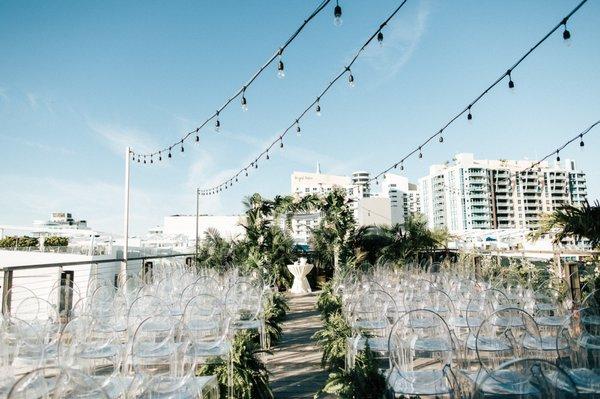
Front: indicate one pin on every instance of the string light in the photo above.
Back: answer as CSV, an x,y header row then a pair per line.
x,y
144,159
380,39
337,15
274,58
511,84
487,90
316,102
441,139
217,123
420,153
151,160
318,108
182,149
268,156
169,152
197,136
160,155
280,66
351,79
566,33
244,101
298,130
579,137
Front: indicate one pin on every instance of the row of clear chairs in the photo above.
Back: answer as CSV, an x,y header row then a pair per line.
x,y
146,338
445,335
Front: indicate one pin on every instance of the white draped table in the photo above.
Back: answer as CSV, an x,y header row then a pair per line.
x,y
300,271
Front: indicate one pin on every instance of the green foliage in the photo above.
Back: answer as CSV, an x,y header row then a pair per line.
x,y
364,381
332,339
216,252
573,221
275,312
250,376
330,240
327,302
397,243
18,242
56,241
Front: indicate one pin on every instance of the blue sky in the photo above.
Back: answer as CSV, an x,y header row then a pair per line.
x,y
81,80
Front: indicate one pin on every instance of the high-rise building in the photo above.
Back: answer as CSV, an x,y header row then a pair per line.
x,y
366,210
492,194
404,197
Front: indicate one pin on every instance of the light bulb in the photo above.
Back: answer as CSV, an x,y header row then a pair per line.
x,y
441,139
197,136
581,143
244,103
351,80
567,36
318,109
337,15
380,39
217,123
281,144
469,116
280,70
298,130
169,152
160,156
268,156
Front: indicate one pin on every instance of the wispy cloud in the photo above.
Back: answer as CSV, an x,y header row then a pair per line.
x,y
37,145
401,41
118,138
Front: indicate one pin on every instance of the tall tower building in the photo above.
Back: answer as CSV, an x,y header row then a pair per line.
x,y
492,194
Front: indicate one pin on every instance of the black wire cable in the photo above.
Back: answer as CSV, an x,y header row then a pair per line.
x,y
296,120
559,149
419,148
240,91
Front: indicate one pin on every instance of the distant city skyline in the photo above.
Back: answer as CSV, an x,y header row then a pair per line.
x,y
81,81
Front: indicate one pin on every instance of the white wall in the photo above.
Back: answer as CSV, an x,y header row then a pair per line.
x,y
228,226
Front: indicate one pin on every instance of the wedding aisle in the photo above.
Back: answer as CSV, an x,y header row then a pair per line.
x,y
295,364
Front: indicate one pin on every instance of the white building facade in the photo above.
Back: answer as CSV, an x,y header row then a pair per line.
x,y
493,194
403,197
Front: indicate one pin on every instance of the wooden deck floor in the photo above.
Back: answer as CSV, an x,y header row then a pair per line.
x,y
295,365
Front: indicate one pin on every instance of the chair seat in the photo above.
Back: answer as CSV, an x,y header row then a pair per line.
x,y
487,344
503,383
464,322
422,382
370,324
100,352
376,344
432,345
201,325
552,321
511,321
547,343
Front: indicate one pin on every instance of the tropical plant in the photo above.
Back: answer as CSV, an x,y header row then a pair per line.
x,y
56,241
250,376
328,303
397,243
275,312
578,222
331,238
332,339
363,381
217,252
18,242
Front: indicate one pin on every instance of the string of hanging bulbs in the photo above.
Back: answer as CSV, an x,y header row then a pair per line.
x,y
167,152
469,108
315,104
578,137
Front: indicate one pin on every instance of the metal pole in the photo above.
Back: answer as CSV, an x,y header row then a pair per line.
x,y
123,271
197,221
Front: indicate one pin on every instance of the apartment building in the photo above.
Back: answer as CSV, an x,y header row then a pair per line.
x,y
468,194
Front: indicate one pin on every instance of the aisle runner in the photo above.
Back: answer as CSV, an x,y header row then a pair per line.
x,y
296,362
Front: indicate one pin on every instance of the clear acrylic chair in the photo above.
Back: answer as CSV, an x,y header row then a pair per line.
x,y
527,378
421,356
56,382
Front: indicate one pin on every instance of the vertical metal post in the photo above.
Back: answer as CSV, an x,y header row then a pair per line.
x,y
6,286
123,271
197,221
